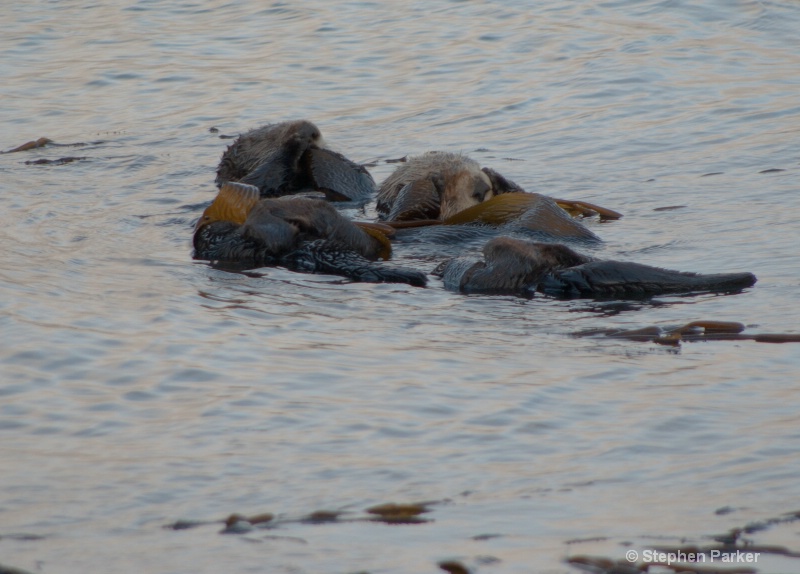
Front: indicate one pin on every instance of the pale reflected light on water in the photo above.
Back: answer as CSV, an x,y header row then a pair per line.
x,y
140,388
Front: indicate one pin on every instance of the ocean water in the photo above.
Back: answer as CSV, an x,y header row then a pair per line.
x,y
140,388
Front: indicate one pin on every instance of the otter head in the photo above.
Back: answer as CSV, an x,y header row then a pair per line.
x,y
462,189
295,137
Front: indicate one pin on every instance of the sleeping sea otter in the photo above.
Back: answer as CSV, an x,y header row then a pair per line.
x,y
291,157
299,233
524,267
452,189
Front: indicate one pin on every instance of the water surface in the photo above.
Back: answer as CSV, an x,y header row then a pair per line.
x,y
140,387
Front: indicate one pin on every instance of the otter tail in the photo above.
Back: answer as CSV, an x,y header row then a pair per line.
x,y
625,280
325,256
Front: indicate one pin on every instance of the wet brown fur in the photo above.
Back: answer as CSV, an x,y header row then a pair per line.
x,y
256,146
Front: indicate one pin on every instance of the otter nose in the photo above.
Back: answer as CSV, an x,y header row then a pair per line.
x,y
480,190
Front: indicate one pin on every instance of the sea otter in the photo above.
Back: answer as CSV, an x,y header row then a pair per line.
x,y
524,267
442,188
300,233
434,185
289,158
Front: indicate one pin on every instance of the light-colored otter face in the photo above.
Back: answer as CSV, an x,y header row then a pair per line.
x,y
464,189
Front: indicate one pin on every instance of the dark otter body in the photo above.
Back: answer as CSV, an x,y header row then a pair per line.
x,y
299,233
523,267
290,157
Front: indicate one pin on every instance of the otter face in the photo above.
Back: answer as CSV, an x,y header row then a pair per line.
x,y
299,135
462,190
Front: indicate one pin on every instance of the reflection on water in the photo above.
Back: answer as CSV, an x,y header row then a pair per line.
x,y
141,388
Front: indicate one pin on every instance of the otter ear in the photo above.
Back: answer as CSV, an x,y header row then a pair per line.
x,y
499,183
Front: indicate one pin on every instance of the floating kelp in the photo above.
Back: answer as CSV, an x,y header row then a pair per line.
x,y
41,142
239,524
526,211
388,513
187,524
453,567
459,567
703,330
25,537
59,161
392,513
322,516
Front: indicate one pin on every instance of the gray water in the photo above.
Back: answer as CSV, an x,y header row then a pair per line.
x,y
140,387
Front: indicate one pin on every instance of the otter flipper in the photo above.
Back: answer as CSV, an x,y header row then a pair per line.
x,y
385,250
418,200
501,184
545,216
338,177
627,280
325,256
275,176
